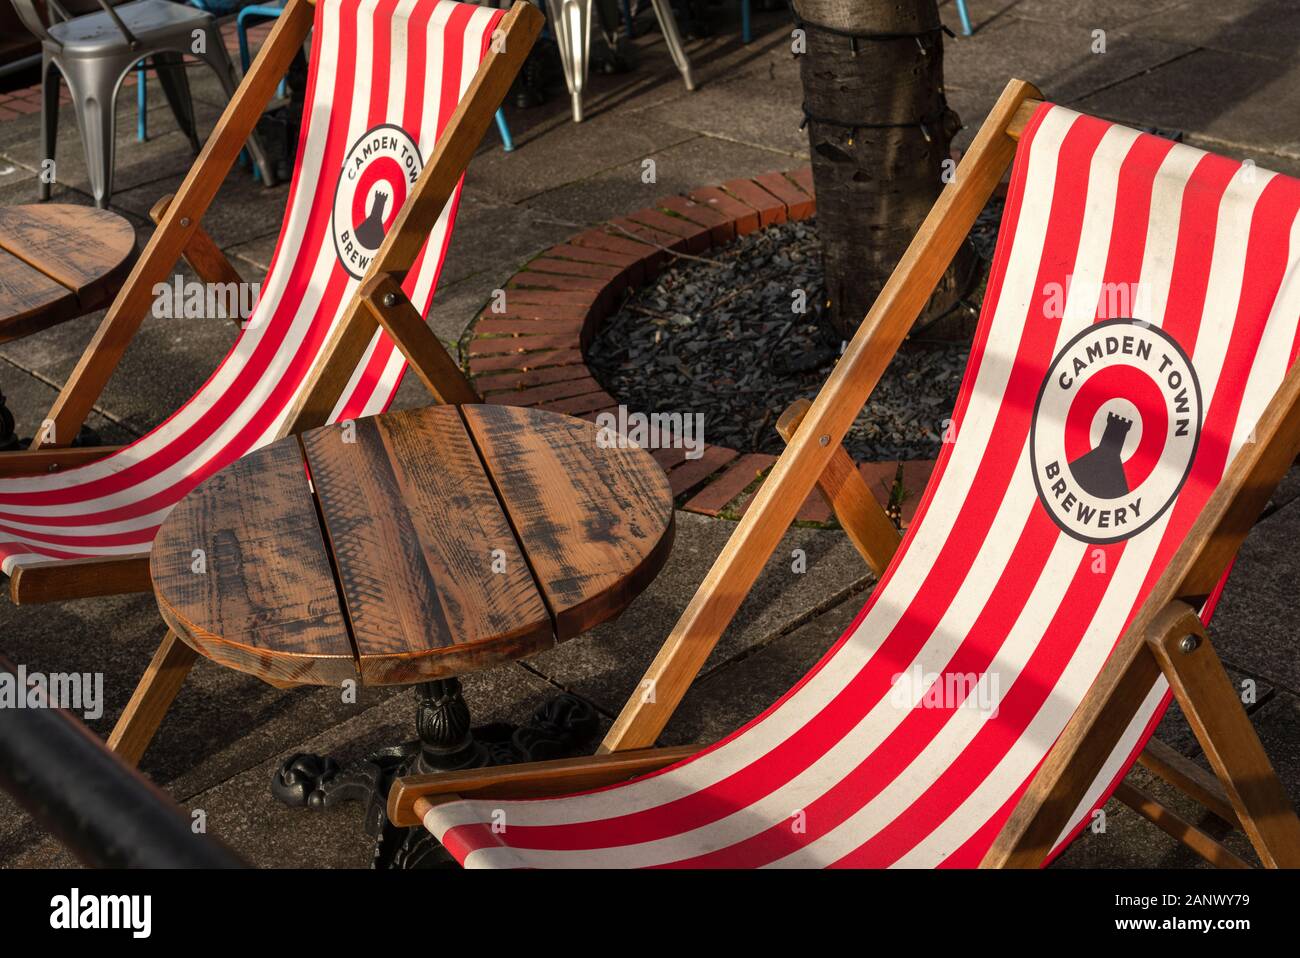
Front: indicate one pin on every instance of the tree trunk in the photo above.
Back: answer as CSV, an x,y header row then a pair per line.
x,y
879,131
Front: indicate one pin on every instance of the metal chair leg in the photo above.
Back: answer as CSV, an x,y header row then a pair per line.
x,y
176,87
93,85
673,39
571,24
95,117
965,17
746,29
49,123
141,101
216,57
507,141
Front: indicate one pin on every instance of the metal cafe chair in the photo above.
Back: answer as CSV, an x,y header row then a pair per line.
x,y
96,51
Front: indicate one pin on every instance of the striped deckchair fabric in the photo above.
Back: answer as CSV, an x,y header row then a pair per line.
x,y
385,78
1142,310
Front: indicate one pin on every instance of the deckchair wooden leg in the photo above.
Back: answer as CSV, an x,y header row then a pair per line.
x,y
1176,644
1182,773
1225,732
202,253
152,698
870,530
390,308
1178,828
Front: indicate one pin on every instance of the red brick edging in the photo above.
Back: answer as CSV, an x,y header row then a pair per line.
x,y
532,353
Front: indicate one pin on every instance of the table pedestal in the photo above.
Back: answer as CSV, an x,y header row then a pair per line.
x,y
564,726
8,440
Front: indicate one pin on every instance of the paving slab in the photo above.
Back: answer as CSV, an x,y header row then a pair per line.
x,y
605,665
1253,627
1253,28
242,210
241,811
735,693
1056,57
1104,14
497,238
600,143
30,399
758,104
1238,110
700,161
166,152
165,363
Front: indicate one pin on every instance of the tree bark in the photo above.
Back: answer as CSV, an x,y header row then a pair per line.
x,y
879,131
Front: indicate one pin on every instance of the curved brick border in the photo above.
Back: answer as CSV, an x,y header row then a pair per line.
x,y
533,353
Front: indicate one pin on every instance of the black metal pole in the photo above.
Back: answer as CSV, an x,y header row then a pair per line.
x,y
104,811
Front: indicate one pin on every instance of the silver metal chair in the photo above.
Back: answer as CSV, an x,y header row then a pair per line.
x,y
95,52
571,25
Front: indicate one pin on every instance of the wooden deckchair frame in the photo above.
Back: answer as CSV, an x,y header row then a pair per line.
x,y
378,301
1166,637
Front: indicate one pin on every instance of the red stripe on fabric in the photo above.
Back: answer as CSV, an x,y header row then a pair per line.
x,y
1133,192
805,745
1010,220
453,46
881,767
1125,257
1197,227
1018,707
1263,272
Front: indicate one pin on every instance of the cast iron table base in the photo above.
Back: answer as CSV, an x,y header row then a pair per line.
x,y
564,726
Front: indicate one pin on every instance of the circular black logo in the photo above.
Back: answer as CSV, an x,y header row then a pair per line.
x,y
1115,430
380,169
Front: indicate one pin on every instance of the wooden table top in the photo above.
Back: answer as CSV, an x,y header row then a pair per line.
x,y
59,262
428,543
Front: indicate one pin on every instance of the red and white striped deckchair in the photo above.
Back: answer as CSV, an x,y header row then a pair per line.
x,y
1021,645
399,95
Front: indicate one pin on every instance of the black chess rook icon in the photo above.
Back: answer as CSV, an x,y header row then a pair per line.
x,y
370,232
1100,472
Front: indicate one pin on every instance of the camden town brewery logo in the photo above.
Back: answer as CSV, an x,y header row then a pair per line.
x,y
380,168
1115,430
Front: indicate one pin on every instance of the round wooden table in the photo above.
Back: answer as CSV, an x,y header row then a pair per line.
x,y
57,262
411,547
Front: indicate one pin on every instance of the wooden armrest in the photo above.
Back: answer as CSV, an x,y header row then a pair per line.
x,y
533,780
30,462
202,253
386,301
870,530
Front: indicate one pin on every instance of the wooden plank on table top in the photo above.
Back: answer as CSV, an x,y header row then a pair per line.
x,y
82,248
596,522
266,602
413,523
30,300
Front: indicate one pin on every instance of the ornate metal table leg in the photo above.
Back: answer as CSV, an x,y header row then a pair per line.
x,y
447,742
8,440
